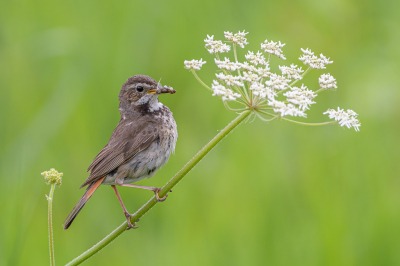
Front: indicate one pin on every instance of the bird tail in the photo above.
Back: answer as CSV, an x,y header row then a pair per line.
x,y
78,207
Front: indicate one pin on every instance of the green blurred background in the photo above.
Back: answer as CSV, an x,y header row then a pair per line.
x,y
269,194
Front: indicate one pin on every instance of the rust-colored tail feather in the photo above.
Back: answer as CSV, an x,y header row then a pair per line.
x,y
78,207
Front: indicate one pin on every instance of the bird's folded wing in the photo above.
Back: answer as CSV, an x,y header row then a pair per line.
x,y
112,156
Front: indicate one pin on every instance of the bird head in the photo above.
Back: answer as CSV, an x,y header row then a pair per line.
x,y
140,93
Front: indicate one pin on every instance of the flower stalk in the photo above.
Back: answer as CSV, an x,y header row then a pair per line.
x,y
50,220
172,183
53,178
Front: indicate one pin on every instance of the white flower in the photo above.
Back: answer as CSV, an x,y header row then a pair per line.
x,y
352,113
301,97
257,59
326,81
258,89
227,94
246,66
303,102
308,58
194,64
277,82
227,64
250,77
305,91
273,48
291,72
283,109
216,46
229,79
348,119
355,123
264,72
333,114
277,105
237,38
293,111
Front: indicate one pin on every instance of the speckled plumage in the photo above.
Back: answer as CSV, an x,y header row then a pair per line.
x,y
140,144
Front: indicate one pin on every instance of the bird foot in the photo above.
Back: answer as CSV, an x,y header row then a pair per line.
x,y
130,225
158,197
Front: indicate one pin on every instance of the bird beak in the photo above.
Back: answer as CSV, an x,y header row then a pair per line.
x,y
163,90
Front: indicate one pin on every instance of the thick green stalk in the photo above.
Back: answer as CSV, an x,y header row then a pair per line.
x,y
50,207
175,180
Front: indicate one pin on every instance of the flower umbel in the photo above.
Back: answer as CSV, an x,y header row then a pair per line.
x,y
194,64
227,94
273,48
52,177
237,38
313,61
252,84
216,46
326,81
348,119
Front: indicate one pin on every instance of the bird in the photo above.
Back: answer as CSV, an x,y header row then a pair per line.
x,y
139,146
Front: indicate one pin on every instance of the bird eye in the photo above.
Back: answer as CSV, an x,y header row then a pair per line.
x,y
139,88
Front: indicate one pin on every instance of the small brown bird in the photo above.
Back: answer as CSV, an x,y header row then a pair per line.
x,y
140,144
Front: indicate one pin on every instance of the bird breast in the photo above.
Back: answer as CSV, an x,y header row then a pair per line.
x,y
147,162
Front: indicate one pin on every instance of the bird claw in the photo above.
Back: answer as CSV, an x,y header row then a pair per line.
x,y
130,225
158,197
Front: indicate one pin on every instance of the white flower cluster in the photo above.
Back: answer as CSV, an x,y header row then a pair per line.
x,y
348,119
326,81
277,82
230,80
227,64
250,77
252,84
263,92
273,48
286,109
194,64
291,72
256,59
247,67
227,94
313,61
300,96
216,46
237,38
264,72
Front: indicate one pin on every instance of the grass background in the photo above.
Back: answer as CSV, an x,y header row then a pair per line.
x,y
269,194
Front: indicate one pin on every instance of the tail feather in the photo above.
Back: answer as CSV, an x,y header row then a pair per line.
x,y
82,201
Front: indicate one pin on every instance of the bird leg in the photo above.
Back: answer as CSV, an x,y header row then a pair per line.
x,y
127,215
154,189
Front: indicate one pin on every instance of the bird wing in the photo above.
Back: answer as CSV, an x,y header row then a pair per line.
x,y
120,149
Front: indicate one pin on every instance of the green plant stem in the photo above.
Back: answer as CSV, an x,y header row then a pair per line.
x,y
310,124
50,207
175,180
233,110
201,82
235,54
318,91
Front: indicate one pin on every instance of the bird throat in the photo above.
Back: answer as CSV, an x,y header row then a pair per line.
x,y
139,108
